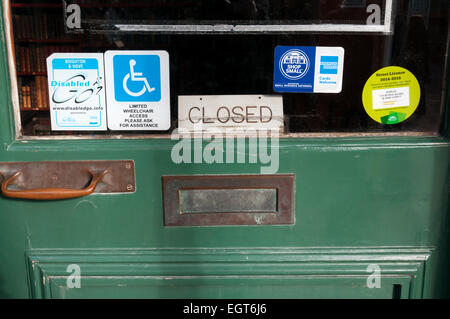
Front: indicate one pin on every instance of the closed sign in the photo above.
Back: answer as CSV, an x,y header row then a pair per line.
x,y
230,111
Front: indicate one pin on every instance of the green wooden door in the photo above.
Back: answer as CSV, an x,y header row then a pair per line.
x,y
360,202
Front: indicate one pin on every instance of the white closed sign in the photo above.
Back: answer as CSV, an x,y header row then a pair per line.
x,y
230,111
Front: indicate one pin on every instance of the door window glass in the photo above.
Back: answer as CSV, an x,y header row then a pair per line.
x,y
227,47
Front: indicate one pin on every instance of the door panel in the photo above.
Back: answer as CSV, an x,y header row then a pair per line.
x,y
396,200
231,288
398,188
227,273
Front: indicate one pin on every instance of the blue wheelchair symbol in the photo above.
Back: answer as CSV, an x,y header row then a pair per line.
x,y
137,78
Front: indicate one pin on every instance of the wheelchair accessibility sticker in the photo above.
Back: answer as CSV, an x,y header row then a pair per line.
x,y
76,91
308,69
138,91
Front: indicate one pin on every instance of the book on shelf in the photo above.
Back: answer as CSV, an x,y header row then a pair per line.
x,y
36,38
38,95
42,92
33,98
40,27
25,96
33,94
32,58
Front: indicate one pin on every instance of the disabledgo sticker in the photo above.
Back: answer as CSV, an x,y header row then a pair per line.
x,y
77,91
308,69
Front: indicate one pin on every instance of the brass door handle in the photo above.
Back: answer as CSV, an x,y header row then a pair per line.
x,y
50,193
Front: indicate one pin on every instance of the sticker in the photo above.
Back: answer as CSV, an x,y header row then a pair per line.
x,y
138,90
77,91
234,112
391,95
308,69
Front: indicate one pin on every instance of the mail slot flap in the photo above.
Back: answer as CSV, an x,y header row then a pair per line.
x,y
196,201
216,200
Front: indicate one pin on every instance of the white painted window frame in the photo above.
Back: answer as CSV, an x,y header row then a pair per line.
x,y
385,28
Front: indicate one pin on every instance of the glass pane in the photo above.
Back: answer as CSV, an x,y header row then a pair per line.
x,y
233,64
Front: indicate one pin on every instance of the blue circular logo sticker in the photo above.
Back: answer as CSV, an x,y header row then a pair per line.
x,y
294,64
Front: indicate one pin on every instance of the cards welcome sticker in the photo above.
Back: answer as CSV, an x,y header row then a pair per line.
x,y
308,69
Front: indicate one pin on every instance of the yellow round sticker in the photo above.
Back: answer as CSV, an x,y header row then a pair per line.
x,y
391,95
